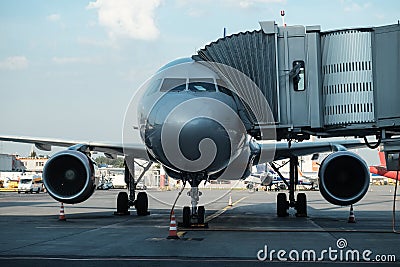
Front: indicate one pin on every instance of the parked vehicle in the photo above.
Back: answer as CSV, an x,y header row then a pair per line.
x,y
141,186
30,184
105,185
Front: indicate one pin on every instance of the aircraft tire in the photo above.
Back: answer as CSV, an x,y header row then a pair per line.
x,y
201,212
282,205
301,205
186,216
122,203
142,204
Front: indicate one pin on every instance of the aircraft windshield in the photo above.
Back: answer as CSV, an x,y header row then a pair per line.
x,y
195,85
173,85
201,85
222,87
153,87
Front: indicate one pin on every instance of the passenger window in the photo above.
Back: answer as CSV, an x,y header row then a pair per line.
x,y
202,85
173,85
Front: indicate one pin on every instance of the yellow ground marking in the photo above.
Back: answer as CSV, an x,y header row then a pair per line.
x,y
218,213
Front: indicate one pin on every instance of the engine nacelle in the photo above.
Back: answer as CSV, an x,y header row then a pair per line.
x,y
343,178
69,177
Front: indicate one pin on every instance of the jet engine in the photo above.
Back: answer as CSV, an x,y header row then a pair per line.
x,y
69,177
343,178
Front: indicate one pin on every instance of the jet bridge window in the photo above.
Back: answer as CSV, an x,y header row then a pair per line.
x,y
202,85
173,85
298,75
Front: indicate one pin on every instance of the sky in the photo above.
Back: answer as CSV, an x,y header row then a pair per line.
x,y
68,69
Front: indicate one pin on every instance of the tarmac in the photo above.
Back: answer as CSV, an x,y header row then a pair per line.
x,y
246,234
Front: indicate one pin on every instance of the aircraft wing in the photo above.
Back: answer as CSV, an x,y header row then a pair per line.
x,y
282,149
137,150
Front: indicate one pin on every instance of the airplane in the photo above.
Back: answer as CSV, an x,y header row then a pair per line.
x,y
382,170
197,121
263,175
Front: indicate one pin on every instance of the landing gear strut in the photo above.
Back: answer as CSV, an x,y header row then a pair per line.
x,y
282,204
141,202
194,217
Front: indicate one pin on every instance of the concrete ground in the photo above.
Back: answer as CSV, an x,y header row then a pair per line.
x,y
241,235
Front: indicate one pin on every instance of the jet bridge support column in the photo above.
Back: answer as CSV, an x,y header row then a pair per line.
x,y
293,179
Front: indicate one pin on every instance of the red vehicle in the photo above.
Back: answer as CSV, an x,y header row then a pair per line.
x,y
381,169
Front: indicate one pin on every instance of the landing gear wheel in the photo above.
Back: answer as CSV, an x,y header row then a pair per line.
x,y
186,216
122,204
201,212
282,205
142,204
301,205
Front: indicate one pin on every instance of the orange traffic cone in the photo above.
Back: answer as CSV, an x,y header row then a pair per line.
x,y
352,218
230,201
172,227
61,217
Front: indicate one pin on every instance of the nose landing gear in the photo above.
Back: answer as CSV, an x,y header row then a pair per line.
x,y
194,217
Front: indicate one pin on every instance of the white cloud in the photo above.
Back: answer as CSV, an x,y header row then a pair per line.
x,y
196,12
73,60
350,6
380,16
53,17
127,18
248,3
94,42
14,63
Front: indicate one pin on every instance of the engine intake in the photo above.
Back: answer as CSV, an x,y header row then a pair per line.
x,y
69,177
343,178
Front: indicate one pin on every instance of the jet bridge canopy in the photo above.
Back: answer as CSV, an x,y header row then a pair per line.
x,y
336,83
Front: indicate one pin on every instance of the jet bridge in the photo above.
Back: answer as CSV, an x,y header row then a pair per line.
x,y
336,83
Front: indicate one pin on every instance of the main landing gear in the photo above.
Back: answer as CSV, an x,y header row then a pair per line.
x,y
141,203
195,216
282,204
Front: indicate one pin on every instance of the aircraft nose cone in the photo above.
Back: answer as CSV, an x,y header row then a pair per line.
x,y
195,135
206,142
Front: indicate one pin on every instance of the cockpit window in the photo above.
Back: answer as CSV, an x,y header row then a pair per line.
x,y
153,87
173,85
201,85
222,87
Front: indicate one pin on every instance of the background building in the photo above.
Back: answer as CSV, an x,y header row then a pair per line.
x,y
33,164
10,163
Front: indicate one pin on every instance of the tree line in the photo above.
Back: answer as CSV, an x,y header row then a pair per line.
x,y
116,163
